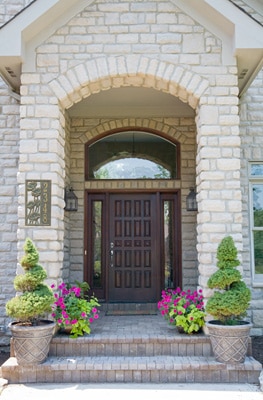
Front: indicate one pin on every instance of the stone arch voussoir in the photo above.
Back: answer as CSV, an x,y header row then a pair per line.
x,y
133,123
105,73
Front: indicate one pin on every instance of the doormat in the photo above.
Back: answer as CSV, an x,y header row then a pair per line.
x,y
130,312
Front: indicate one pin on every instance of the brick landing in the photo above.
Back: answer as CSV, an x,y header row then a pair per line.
x,y
139,349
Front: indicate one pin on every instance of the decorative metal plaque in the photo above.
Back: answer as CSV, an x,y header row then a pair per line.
x,y
38,202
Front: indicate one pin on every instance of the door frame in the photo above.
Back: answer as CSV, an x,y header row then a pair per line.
x,y
104,196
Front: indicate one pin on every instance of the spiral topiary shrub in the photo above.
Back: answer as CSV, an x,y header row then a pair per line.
x,y
231,299
35,297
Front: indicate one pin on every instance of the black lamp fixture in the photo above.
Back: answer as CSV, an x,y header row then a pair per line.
x,y
71,200
191,203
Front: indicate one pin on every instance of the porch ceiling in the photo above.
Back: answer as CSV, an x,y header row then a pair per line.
x,y
130,101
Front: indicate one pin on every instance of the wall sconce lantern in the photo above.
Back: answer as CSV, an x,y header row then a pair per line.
x,y
191,203
71,200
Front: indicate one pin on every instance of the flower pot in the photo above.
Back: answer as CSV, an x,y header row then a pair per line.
x,y
66,330
31,343
229,342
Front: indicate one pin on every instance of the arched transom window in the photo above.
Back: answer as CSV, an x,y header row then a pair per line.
x,y
132,155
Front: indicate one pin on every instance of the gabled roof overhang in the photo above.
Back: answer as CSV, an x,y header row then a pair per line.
x,y
242,37
22,34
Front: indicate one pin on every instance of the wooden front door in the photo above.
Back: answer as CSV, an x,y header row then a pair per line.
x,y
132,245
134,254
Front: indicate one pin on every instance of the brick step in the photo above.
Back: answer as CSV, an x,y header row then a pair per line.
x,y
156,369
119,309
144,345
139,349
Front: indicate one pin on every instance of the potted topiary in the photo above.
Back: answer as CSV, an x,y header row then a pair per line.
x,y
229,333
31,335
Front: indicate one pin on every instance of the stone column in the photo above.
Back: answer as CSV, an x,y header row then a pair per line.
x,y
42,142
218,176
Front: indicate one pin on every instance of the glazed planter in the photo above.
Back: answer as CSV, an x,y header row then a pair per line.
x,y
229,342
31,343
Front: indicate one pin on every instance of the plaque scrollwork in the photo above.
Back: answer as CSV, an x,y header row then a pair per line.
x,y
38,203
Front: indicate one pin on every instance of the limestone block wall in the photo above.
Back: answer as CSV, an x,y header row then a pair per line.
x,y
251,128
112,44
156,28
9,148
145,44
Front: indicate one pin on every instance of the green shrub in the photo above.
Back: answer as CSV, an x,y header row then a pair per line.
x,y
231,298
36,298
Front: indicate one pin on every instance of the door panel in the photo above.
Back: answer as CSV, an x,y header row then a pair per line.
x,y
133,271
132,245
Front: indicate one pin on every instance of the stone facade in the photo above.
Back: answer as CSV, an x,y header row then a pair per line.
x,y
251,122
111,45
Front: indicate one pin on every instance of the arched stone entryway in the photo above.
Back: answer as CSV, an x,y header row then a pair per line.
x,y
113,72
212,120
103,74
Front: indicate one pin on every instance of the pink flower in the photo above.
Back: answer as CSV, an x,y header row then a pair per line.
x,y
74,321
77,291
62,285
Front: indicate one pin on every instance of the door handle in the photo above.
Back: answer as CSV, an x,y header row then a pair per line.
x,y
111,254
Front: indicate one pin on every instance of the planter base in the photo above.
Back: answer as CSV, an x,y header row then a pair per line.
x,y
229,342
31,343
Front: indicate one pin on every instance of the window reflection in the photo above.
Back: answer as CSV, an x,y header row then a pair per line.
x,y
97,243
132,155
257,169
168,243
257,193
132,168
258,251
